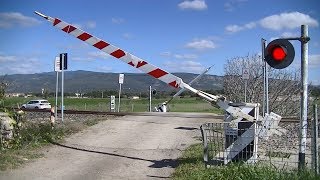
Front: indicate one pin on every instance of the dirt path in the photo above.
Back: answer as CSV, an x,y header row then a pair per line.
x,y
130,147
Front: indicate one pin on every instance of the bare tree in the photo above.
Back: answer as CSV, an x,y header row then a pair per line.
x,y
283,85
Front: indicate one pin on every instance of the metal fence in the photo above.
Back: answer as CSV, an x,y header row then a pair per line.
x,y
226,142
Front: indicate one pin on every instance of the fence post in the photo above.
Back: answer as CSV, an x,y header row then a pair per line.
x,y
315,155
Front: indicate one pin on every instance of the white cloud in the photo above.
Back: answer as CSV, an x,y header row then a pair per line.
x,y
179,56
233,4
185,56
314,61
201,44
233,28
117,20
237,28
92,56
281,21
98,55
289,34
250,25
194,5
184,66
10,19
285,35
290,20
165,54
13,65
6,59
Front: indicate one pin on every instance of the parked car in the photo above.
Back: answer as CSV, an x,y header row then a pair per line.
x,y
37,104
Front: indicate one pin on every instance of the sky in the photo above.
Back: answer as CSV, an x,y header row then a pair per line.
x,y
175,35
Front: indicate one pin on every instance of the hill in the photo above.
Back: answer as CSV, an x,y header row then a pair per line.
x,y
87,81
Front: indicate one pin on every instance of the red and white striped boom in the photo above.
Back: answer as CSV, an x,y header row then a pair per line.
x,y
116,52
141,64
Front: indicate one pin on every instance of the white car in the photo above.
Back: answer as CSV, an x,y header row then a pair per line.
x,y
37,104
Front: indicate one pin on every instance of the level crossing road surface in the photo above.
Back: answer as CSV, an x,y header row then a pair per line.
x,y
143,146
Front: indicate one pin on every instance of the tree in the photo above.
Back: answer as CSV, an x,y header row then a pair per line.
x,y
284,85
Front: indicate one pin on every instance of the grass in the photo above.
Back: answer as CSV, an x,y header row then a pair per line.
x,y
127,105
11,159
191,166
33,136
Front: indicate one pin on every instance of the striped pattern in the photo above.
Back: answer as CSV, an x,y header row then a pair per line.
x,y
118,53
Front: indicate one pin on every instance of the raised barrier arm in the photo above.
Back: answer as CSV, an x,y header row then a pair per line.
x,y
141,64
114,51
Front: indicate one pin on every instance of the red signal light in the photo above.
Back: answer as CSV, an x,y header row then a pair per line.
x,y
279,53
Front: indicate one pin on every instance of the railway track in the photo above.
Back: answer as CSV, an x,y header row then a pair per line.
x,y
168,114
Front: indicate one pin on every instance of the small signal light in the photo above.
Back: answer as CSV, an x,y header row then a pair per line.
x,y
279,53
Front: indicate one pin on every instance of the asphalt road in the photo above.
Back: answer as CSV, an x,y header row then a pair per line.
x,y
129,147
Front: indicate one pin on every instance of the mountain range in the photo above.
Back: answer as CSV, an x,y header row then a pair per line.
x,y
87,81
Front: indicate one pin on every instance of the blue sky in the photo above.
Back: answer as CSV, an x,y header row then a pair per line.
x,y
175,35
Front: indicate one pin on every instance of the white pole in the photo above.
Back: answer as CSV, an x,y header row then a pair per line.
x,y
62,87
149,98
119,97
57,86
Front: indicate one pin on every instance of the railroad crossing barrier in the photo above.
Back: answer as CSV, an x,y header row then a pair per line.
x,y
236,140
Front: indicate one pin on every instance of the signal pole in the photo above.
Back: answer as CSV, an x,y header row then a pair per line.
x,y
62,85
265,104
280,54
304,96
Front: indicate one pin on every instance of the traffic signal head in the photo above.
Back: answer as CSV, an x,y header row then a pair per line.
x,y
279,53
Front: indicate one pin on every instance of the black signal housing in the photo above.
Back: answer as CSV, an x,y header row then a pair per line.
x,y
279,53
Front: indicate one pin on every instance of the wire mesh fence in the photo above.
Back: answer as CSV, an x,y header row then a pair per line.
x,y
226,142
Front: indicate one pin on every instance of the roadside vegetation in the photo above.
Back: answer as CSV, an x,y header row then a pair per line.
x,y
191,166
29,137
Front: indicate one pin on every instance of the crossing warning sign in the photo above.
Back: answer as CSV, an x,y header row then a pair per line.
x,y
245,73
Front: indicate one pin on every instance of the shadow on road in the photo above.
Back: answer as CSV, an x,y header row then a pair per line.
x,y
186,128
171,163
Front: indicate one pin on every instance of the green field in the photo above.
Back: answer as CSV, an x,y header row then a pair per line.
x,y
126,105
